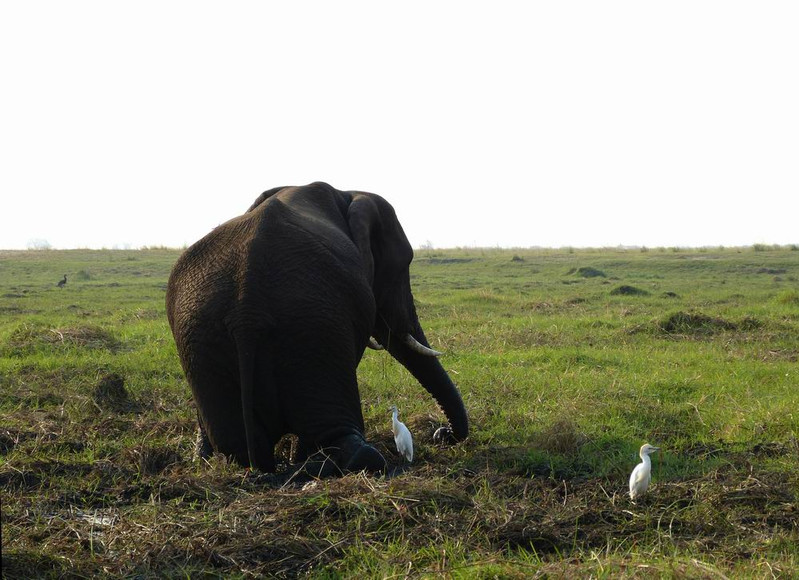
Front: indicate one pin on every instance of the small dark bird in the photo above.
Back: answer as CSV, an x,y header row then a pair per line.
x,y
61,283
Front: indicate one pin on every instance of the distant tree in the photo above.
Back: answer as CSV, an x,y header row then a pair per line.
x,y
39,244
428,245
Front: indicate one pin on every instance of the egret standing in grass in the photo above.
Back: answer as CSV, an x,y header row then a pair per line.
x,y
642,474
402,437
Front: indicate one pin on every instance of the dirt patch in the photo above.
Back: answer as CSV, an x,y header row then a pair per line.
x,y
588,272
625,290
789,355
562,436
33,564
154,460
29,337
110,394
10,438
696,323
772,271
11,480
575,300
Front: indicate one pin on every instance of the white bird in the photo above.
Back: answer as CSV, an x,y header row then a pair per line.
x,y
642,474
402,437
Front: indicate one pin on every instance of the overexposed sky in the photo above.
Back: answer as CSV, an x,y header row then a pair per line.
x,y
577,123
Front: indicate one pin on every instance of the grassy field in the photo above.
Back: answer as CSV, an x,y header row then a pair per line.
x,y
567,360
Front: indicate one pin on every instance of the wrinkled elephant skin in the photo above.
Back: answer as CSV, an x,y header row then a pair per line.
x,y
271,313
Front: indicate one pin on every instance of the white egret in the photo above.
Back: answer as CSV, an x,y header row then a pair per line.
x,y
642,474
402,437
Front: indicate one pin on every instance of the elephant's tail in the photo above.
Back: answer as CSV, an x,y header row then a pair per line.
x,y
259,450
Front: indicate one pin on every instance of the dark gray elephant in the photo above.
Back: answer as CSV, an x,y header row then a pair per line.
x,y
272,311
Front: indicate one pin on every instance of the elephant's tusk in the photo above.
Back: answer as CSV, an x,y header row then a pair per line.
x,y
373,344
417,346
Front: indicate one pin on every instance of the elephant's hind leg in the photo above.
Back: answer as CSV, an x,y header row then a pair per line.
x,y
265,411
219,415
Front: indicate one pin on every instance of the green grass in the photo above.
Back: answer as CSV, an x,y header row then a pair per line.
x,y
564,376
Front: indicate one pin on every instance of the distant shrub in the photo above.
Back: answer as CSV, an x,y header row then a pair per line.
x,y
765,247
39,244
83,275
517,258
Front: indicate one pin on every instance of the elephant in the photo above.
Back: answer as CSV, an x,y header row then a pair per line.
x,y
271,313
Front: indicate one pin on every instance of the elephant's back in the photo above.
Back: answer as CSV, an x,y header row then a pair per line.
x,y
202,284
303,262
288,259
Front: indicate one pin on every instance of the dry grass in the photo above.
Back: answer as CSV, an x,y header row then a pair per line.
x,y
28,337
696,323
217,519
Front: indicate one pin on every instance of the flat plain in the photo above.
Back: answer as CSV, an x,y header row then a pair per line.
x,y
567,360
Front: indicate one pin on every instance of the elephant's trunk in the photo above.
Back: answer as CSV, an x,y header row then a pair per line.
x,y
432,376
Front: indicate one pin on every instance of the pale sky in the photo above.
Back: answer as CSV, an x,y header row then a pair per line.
x,y
567,123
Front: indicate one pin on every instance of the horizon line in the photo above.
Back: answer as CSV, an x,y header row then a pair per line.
x,y
426,248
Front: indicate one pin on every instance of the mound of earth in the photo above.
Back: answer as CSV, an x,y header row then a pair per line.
x,y
110,394
29,337
625,290
588,272
696,323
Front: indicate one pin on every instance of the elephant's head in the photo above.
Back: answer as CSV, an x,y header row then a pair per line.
x,y
387,255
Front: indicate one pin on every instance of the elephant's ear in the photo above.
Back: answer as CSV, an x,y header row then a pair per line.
x,y
363,217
